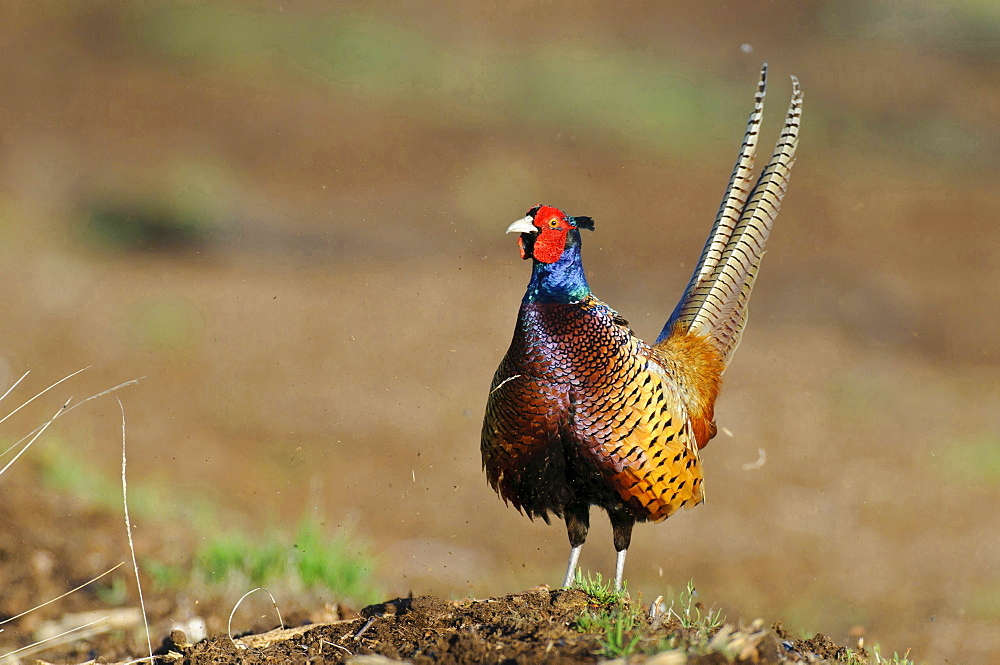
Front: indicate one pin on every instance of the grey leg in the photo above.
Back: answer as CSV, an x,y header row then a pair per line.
x,y
622,522
620,569
574,557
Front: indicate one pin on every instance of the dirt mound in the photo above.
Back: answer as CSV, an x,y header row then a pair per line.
x,y
539,625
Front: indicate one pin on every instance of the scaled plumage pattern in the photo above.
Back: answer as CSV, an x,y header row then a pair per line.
x,y
583,413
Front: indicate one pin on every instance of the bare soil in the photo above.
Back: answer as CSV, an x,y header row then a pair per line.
x,y
54,541
531,627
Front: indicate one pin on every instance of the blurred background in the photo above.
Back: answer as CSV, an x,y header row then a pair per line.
x,y
289,219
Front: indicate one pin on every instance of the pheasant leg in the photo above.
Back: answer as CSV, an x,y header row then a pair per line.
x,y
620,569
577,516
621,531
574,558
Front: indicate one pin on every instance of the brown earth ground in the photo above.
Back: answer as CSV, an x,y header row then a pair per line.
x,y
321,292
54,538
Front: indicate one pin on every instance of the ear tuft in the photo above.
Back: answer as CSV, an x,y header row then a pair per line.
x,y
584,223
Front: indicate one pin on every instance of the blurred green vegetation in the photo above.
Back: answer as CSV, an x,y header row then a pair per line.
x,y
566,85
339,563
312,560
164,323
966,25
68,472
629,96
182,204
973,461
143,224
985,602
113,593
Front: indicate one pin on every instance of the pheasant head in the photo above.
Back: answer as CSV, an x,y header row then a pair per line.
x,y
546,232
551,238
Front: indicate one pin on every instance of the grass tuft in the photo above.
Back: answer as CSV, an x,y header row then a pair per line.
x,y
690,614
601,591
339,563
623,628
618,629
615,623
878,659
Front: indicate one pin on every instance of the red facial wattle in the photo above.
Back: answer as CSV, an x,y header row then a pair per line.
x,y
549,243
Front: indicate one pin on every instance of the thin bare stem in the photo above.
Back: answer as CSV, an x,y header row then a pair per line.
x,y
364,628
16,383
64,410
91,581
38,432
322,642
34,647
229,626
65,378
138,660
128,530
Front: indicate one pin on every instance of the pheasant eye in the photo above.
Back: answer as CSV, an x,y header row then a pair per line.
x,y
553,223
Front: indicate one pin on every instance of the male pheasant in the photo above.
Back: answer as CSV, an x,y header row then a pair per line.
x,y
583,413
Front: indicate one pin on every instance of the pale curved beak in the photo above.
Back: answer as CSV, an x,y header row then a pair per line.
x,y
523,225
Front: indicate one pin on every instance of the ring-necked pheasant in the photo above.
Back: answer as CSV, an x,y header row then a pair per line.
x,y
583,413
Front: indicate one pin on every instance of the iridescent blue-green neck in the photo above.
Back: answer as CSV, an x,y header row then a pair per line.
x,y
562,281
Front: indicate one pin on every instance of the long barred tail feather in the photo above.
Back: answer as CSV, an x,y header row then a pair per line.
x,y
715,301
733,202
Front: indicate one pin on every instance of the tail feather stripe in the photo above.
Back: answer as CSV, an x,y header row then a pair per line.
x,y
715,305
738,267
733,203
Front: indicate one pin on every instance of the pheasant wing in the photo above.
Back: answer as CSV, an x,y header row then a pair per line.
x,y
638,434
521,442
